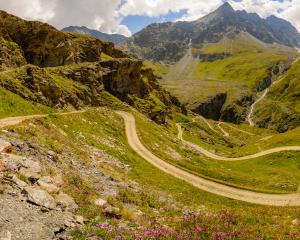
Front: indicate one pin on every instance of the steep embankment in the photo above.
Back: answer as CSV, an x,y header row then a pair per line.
x,y
279,106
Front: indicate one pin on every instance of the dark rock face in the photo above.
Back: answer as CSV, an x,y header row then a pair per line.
x,y
212,108
213,57
284,31
157,38
114,38
273,73
125,78
237,112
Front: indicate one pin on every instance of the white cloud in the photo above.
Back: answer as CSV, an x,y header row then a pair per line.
x,y
292,13
97,14
33,9
107,15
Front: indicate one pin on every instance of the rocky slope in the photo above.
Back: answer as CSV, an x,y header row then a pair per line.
x,y
169,41
115,38
280,109
58,69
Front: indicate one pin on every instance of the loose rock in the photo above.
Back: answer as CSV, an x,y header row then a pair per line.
x,y
296,222
5,147
50,188
39,197
100,202
66,202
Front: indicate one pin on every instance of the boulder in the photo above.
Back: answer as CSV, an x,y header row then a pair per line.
x,y
79,219
47,186
5,147
100,202
66,202
31,170
12,162
21,184
39,197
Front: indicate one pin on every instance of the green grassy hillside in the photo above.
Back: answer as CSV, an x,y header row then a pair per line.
x,y
281,107
79,134
239,65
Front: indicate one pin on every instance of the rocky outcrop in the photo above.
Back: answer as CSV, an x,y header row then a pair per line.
x,y
125,78
212,108
213,57
76,75
11,55
273,73
45,46
237,111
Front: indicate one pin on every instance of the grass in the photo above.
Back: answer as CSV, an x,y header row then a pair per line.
x,y
281,106
73,135
238,74
266,174
104,123
12,105
160,69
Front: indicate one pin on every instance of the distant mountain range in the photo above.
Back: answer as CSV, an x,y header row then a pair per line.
x,y
169,41
115,38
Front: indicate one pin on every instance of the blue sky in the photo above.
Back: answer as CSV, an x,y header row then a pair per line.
x,y
135,23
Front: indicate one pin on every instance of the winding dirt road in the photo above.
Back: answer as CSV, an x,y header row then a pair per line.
x,y
221,158
239,130
225,134
5,122
202,183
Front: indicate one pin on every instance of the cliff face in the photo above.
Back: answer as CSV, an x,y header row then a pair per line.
x,y
57,69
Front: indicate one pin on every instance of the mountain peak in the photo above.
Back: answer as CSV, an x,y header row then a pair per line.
x,y
226,7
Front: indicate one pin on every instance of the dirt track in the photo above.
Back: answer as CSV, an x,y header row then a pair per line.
x,y
221,158
201,183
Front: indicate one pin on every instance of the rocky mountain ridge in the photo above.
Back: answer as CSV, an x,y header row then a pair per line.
x,y
169,41
115,38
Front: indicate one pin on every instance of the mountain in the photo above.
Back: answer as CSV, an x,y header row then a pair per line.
x,y
115,38
216,65
58,70
169,41
92,146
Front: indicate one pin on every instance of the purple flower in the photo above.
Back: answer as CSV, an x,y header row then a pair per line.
x,y
104,225
199,229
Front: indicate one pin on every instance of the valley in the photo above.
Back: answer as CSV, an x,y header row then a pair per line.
x,y
185,130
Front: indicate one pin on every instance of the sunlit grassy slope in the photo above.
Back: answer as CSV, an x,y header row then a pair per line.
x,y
281,106
273,173
79,133
13,105
247,65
